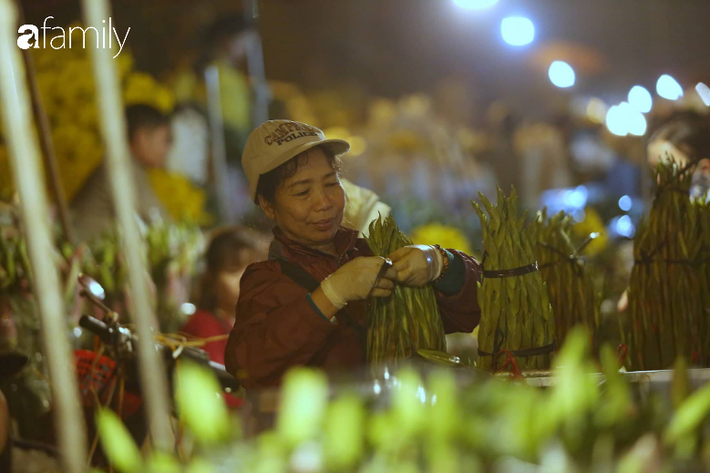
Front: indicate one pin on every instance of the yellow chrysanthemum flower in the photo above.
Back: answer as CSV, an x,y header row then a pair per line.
x,y
143,88
68,93
181,199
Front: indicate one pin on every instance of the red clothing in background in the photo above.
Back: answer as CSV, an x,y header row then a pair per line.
x,y
204,324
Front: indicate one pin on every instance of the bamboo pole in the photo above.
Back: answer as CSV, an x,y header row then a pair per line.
x,y
45,140
255,66
220,171
25,161
113,128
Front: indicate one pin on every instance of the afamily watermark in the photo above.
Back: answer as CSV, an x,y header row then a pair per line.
x,y
30,36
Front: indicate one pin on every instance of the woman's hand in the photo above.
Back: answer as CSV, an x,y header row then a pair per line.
x,y
354,280
416,265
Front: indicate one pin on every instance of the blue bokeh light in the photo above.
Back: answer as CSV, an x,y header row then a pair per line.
x,y
625,203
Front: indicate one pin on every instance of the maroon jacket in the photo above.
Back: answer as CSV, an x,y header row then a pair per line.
x,y
276,328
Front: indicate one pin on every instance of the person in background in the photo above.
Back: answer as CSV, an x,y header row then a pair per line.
x,y
228,254
190,151
150,138
362,207
223,47
686,138
224,44
502,155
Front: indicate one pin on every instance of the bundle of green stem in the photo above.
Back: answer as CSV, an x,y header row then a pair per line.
x,y
408,320
702,209
570,287
665,292
15,267
516,317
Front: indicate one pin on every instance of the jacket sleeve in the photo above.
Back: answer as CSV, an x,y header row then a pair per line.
x,y
275,328
460,312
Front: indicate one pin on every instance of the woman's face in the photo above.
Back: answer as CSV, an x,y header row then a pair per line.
x,y
308,206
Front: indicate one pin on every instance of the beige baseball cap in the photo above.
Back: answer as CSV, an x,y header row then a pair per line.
x,y
277,141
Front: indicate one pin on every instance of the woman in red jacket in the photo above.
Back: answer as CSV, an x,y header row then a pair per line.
x,y
306,304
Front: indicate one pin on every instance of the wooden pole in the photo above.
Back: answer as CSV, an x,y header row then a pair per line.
x,y
45,140
25,159
113,129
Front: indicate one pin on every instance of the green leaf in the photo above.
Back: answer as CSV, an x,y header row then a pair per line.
x,y
344,441
689,415
161,462
408,403
680,385
200,403
200,465
303,403
117,442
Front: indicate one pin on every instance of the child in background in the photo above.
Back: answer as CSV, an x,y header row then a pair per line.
x,y
230,251
686,138
149,138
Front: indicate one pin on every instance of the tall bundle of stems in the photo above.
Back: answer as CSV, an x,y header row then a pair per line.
x,y
516,317
570,287
702,209
409,319
665,291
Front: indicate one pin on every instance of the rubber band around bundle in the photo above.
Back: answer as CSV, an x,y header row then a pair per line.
x,y
508,273
572,259
647,258
526,352
685,262
679,190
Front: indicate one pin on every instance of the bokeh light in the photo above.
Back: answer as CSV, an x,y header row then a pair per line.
x,y
640,99
668,88
188,308
561,74
475,4
623,119
704,93
517,30
625,227
596,110
616,122
625,203
579,215
635,121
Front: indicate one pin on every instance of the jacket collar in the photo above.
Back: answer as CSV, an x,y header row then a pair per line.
x,y
283,247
